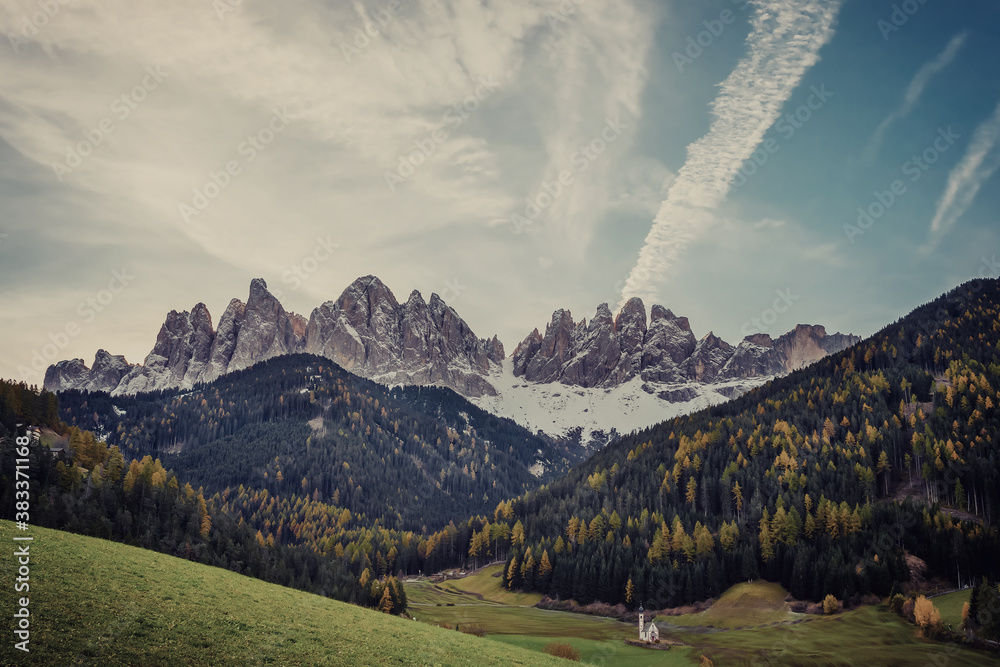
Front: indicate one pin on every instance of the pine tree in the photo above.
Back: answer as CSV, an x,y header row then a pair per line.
x,y
691,493
738,499
385,604
960,500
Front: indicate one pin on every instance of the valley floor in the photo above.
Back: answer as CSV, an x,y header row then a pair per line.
x,y
749,625
95,602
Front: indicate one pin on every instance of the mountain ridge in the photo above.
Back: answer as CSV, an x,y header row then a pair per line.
x,y
370,333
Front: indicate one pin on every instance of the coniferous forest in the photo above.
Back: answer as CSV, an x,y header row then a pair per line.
x,y
412,457
823,480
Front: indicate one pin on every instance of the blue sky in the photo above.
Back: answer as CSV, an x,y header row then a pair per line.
x,y
513,157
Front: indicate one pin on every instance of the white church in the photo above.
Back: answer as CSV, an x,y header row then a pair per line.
x,y
647,633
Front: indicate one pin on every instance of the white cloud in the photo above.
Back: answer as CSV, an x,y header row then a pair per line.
x,y
785,38
913,92
981,160
352,117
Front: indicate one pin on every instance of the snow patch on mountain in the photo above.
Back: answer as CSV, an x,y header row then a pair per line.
x,y
557,409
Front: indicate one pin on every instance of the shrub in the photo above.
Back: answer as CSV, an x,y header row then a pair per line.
x,y
907,611
830,604
927,616
896,603
474,629
562,650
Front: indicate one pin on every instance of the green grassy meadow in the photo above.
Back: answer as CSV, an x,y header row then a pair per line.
x,y
753,604
750,624
950,606
95,602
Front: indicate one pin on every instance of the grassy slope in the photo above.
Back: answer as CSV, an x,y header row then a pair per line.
x,y
867,636
950,606
482,584
97,602
743,605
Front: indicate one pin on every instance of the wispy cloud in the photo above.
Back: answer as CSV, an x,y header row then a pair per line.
x,y
913,93
364,89
784,42
981,160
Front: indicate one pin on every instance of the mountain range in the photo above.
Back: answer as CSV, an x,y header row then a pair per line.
x,y
656,365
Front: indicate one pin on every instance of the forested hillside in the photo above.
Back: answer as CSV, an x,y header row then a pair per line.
x,y
98,491
822,480
300,425
298,538
295,540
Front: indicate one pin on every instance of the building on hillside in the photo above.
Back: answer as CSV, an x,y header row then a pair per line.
x,y
648,632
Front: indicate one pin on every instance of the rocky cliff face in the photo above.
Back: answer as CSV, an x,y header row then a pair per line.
x,y
758,355
189,350
265,330
366,331
108,371
607,352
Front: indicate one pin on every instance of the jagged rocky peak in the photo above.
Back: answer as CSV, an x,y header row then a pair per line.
x,y
107,371
188,350
266,331
597,353
367,331
525,351
760,340
631,325
607,351
759,355
66,374
225,340
663,349
807,343
545,365
181,351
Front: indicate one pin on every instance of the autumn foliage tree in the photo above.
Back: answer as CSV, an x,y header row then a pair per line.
x,y
927,616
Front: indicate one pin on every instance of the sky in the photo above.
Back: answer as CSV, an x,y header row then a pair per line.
x,y
749,165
